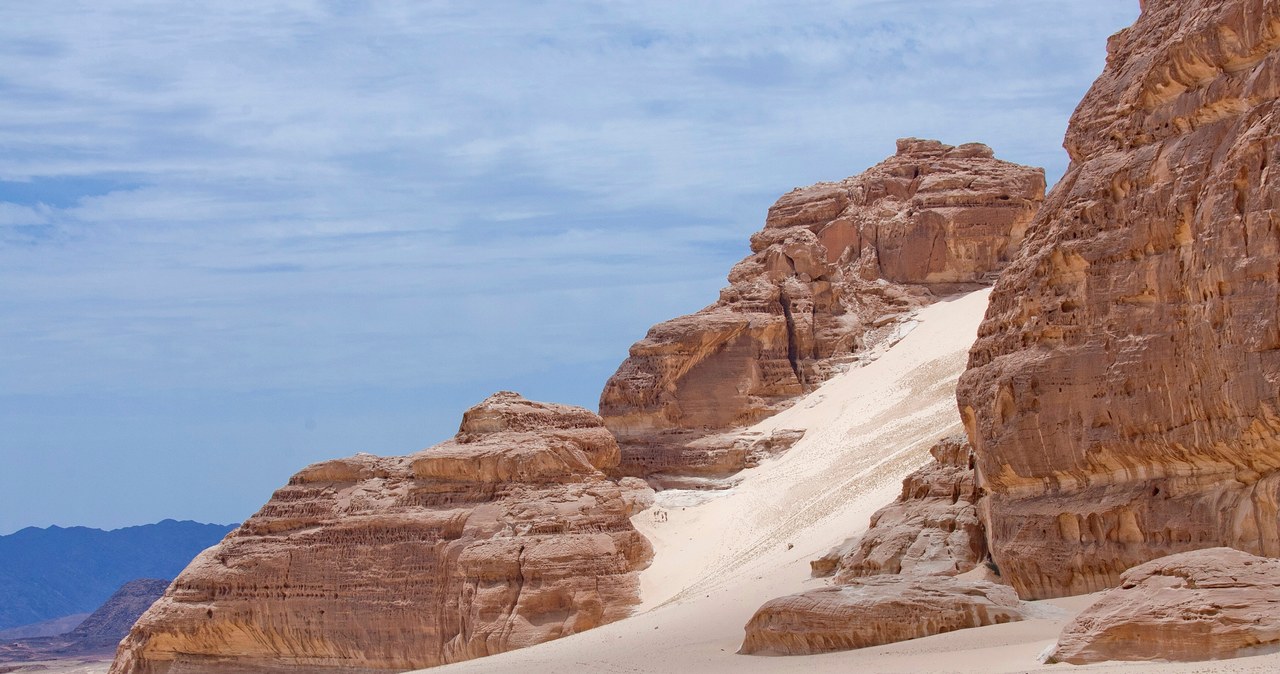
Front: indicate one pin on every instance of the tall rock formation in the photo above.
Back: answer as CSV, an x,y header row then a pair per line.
x,y
1122,396
836,265
506,536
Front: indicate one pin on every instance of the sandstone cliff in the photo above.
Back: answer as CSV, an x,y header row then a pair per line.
x,y
1122,397
506,536
836,265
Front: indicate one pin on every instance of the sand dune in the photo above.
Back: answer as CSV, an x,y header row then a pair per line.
x,y
720,555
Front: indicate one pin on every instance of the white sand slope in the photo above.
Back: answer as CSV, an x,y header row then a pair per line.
x,y
719,556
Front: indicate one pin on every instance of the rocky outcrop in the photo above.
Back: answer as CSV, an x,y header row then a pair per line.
x,y
506,536
836,265
1123,397
1203,605
874,611
931,529
897,581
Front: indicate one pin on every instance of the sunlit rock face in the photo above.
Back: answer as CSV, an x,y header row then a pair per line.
x,y
506,536
835,268
874,611
1122,395
1201,605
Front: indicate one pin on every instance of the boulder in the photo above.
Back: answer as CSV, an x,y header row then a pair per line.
x,y
1203,605
874,611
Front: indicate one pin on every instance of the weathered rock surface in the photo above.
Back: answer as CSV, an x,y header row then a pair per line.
x,y
1122,397
1203,605
931,529
876,610
836,265
506,536
896,582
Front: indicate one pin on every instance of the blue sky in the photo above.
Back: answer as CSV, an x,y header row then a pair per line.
x,y
239,238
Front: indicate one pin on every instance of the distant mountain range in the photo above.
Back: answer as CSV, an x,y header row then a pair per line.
x,y
54,572
97,634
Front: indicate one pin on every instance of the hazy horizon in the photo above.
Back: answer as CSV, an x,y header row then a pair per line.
x,y
240,239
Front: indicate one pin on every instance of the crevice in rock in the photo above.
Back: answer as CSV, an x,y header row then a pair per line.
x,y
793,349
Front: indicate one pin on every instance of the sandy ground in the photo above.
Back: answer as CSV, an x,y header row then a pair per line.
x,y
66,666
720,555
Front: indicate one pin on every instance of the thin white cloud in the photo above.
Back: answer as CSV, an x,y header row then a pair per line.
x,y
320,195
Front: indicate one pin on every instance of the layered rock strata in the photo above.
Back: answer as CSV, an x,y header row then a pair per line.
x,y
1203,605
1123,397
897,581
506,536
874,611
931,529
835,267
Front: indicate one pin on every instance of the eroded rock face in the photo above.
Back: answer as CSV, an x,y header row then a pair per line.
x,y
1203,605
874,611
897,581
506,536
931,529
1122,394
836,265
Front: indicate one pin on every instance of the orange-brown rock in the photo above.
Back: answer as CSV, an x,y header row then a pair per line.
x,y
1122,397
897,581
1203,605
931,529
506,536
874,611
836,265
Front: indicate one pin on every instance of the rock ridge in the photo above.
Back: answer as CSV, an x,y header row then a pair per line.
x,y
506,536
835,268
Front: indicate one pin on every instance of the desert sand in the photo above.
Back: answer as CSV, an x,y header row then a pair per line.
x,y
720,555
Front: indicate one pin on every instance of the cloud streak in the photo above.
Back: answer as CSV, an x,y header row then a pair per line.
x,y
302,198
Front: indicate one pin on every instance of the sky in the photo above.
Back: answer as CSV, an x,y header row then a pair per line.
x,y
240,237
